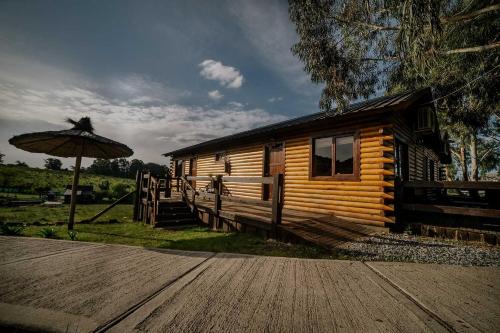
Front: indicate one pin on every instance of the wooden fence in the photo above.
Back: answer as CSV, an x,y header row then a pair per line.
x,y
479,199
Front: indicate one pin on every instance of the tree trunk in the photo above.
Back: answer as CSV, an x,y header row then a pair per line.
x,y
463,162
473,157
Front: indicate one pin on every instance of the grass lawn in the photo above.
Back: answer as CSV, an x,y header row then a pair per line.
x,y
123,231
48,215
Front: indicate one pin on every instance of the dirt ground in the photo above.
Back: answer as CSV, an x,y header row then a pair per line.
x,y
63,286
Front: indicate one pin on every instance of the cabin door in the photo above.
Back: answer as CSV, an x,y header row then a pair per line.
x,y
274,162
192,171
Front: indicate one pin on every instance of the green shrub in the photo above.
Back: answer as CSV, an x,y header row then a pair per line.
x,y
72,235
120,189
12,230
48,233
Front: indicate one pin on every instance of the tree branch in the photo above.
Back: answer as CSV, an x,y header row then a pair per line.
x,y
381,59
469,16
472,49
374,27
444,19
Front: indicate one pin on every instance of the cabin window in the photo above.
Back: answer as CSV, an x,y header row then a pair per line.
x,y
178,168
344,155
335,157
322,162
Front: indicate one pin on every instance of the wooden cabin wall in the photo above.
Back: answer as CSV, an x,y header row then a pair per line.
x,y
416,152
245,161
368,200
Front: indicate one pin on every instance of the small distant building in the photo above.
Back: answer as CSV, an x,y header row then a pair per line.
x,y
84,194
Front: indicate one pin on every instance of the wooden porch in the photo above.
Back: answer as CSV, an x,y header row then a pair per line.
x,y
217,209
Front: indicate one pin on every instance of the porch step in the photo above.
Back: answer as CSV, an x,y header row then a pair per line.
x,y
173,213
177,221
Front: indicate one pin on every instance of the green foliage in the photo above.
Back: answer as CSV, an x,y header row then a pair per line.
x,y
53,164
104,185
27,180
73,235
355,47
1,158
48,233
120,189
120,167
12,230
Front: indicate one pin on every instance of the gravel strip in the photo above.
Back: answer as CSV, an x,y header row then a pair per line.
x,y
408,248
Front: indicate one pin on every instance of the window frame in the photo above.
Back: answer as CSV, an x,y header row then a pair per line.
x,y
355,176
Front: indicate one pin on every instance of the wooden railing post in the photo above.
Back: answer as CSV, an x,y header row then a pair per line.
x,y
168,186
217,183
137,198
277,201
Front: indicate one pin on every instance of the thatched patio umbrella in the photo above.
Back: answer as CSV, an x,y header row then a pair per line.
x,y
80,141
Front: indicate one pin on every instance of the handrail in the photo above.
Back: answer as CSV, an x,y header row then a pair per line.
x,y
184,178
235,179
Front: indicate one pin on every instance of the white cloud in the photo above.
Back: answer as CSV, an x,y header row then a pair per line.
x,y
150,130
236,105
227,76
215,95
275,99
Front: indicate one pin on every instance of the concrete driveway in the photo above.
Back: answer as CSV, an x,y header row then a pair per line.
x,y
51,285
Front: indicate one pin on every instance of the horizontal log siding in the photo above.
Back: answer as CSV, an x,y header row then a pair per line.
x,y
244,162
362,201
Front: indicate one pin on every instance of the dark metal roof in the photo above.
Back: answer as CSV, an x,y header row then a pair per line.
x,y
380,103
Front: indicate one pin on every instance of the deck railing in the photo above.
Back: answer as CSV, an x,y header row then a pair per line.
x,y
478,199
149,191
215,193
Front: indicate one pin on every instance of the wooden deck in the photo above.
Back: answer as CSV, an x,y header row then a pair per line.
x,y
323,230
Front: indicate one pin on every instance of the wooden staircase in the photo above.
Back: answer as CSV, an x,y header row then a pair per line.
x,y
172,212
157,206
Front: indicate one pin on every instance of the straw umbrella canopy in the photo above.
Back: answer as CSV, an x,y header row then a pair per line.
x,y
79,141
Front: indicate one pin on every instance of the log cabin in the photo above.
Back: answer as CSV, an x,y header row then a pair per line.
x,y
343,164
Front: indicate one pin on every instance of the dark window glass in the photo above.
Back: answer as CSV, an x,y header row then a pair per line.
x,y
178,168
344,155
431,171
322,157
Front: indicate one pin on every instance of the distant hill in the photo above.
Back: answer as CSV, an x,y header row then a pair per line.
x,y
29,179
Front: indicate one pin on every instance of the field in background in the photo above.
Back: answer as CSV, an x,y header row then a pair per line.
x,y
28,180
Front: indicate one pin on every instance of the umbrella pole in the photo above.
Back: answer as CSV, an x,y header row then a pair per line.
x,y
74,187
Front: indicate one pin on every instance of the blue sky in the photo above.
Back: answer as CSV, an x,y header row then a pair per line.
x,y
156,75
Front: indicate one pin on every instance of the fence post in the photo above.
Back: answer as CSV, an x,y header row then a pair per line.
x,y
277,202
168,186
137,195
217,201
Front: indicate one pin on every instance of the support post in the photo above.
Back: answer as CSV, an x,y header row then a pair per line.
x,y
74,188
277,201
168,184
137,197
217,201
